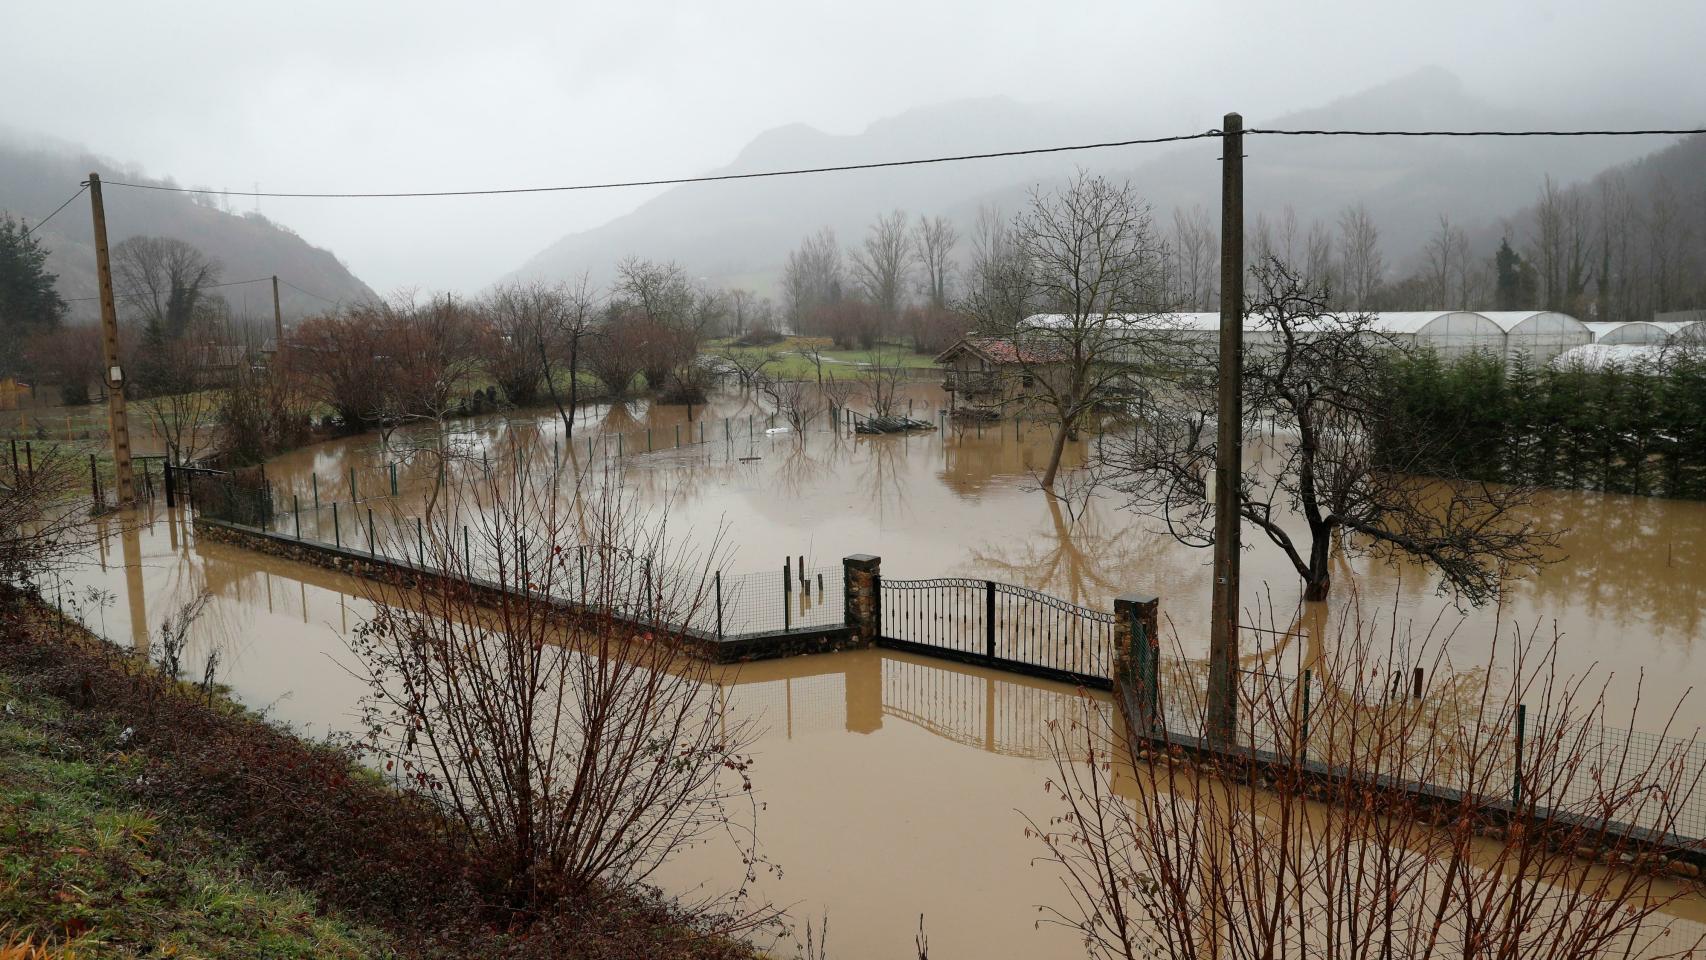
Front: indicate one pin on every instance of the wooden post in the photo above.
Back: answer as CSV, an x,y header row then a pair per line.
x,y
1229,452
118,422
277,319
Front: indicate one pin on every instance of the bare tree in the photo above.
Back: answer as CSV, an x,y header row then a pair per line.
x,y
811,279
1361,266
165,280
1089,259
1195,247
882,381
933,243
1448,259
1327,478
996,268
881,263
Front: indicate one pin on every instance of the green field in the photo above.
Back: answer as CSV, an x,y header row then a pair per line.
x,y
793,363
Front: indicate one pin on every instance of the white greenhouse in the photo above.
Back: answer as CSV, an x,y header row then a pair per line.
x,y
1452,335
1539,335
1629,332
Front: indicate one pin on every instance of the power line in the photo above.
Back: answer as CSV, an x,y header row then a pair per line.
x,y
886,164
138,296
308,292
673,181
1476,133
43,221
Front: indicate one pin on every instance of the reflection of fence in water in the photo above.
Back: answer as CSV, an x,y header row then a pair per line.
x,y
793,705
981,710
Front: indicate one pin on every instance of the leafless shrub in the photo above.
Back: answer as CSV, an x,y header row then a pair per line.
x,y
175,637
43,523
1324,847
578,748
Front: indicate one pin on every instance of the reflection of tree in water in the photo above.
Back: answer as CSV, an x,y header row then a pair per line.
x,y
1081,558
973,462
1628,555
883,476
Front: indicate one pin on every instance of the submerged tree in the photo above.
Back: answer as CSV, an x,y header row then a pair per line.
x,y
1315,380
1088,260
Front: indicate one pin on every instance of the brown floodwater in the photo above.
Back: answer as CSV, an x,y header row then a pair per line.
x,y
892,783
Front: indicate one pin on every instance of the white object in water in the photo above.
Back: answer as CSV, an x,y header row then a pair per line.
x,y
779,430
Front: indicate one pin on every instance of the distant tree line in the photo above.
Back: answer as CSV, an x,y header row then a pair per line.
x,y
1638,430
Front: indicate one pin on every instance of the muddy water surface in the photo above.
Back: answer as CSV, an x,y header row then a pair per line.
x,y
891,782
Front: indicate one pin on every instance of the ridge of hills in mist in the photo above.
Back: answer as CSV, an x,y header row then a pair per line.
x,y
740,233
35,177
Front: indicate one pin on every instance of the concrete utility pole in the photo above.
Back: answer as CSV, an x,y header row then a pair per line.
x,y
118,422
277,317
1229,442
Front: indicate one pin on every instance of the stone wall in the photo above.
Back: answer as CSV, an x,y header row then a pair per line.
x,y
360,563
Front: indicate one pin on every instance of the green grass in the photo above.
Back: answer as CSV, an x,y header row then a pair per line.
x,y
847,364
83,866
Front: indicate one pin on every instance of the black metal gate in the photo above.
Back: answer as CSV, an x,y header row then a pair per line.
x,y
998,624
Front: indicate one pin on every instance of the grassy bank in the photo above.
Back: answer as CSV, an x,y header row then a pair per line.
x,y
142,817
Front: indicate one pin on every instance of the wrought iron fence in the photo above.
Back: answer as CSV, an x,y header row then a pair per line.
x,y
983,621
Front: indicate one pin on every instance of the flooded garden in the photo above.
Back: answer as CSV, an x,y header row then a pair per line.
x,y
889,782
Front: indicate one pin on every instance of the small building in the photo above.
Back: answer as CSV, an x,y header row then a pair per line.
x,y
984,374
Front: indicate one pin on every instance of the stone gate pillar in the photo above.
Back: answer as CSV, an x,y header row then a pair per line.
x,y
1137,656
862,579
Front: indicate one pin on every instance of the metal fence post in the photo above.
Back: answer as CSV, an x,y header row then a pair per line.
x,y
582,552
648,439
166,472
337,534
420,539
787,595
719,579
1304,731
370,546
393,478
296,512
678,436
727,436
1516,778
989,619
314,481
353,496
467,552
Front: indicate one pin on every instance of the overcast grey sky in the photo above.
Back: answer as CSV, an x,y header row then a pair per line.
x,y
368,96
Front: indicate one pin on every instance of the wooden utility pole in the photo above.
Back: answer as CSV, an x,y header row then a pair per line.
x,y
118,422
1229,442
277,317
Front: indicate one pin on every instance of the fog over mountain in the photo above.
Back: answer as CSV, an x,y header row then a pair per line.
x,y
37,175
520,93
740,233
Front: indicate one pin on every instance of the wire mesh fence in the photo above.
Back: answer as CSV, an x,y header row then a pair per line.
x,y
1391,725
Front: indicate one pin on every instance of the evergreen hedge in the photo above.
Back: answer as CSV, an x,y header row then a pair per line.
x,y
1639,431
